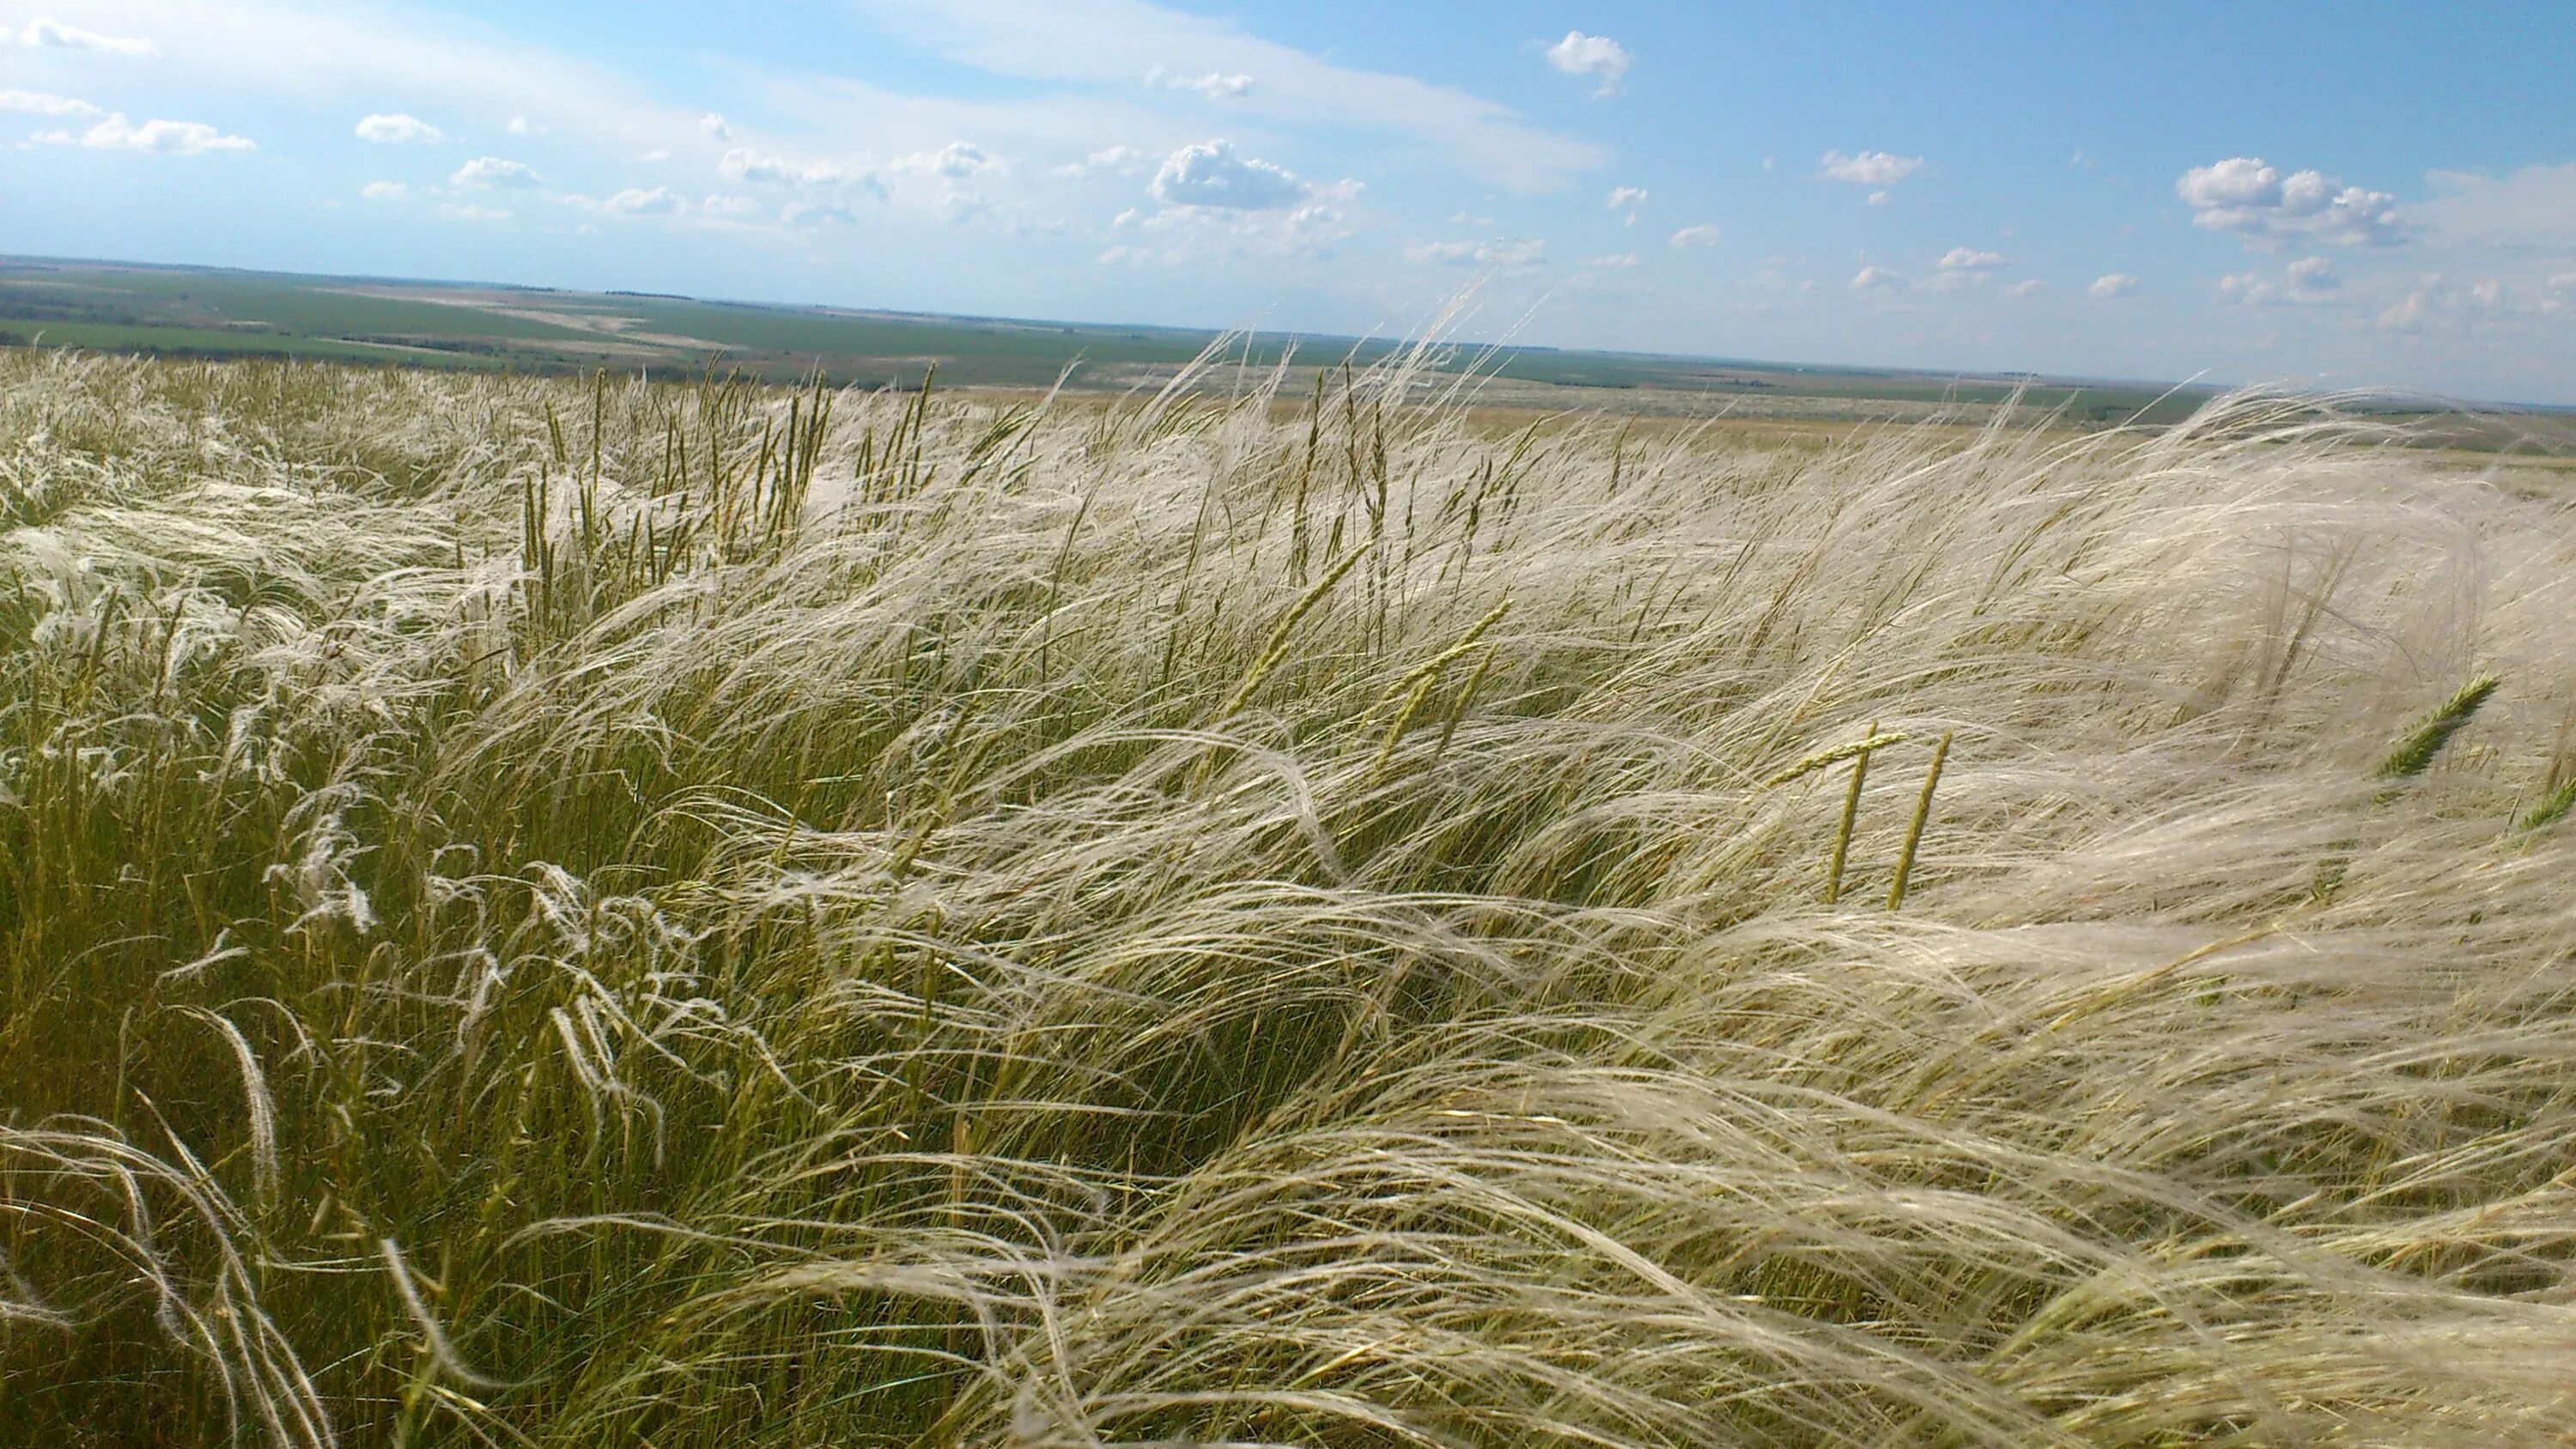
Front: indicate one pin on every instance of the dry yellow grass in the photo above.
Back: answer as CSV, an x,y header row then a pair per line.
x,y
534,913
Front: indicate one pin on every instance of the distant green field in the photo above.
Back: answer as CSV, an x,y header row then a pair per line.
x,y
183,311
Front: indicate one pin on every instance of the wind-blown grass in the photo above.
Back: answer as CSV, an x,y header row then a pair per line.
x,y
559,914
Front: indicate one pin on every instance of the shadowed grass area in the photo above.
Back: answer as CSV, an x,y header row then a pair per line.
x,y
555,913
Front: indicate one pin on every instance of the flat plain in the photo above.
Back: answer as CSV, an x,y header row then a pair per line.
x,y
207,312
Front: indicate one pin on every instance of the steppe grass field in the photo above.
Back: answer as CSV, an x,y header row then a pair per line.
x,y
585,913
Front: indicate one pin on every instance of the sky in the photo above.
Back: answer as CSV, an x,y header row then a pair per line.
x,y
2344,195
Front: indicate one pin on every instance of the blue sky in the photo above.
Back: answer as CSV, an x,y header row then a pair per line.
x,y
2347,194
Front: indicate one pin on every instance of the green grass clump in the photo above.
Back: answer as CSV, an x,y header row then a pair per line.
x,y
539,912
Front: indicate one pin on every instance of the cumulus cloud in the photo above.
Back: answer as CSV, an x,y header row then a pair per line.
x,y
493,171
1868,168
44,103
468,212
522,126
2255,201
1881,198
2031,287
1211,174
2314,274
396,129
1623,198
637,201
1875,279
716,127
2113,284
51,34
827,176
1594,57
385,191
169,138
1969,259
1696,236
1509,252
956,161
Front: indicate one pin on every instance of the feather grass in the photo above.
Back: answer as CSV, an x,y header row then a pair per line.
x,y
550,912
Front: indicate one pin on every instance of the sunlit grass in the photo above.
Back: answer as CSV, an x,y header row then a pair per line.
x,y
537,912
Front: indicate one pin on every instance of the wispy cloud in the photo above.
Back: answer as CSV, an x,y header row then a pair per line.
x,y
1108,43
44,103
1868,168
1509,253
168,138
51,34
1215,85
2113,284
1702,235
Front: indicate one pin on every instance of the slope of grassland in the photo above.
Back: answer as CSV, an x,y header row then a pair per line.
x,y
542,914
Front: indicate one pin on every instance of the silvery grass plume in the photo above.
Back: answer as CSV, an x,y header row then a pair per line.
x,y
546,912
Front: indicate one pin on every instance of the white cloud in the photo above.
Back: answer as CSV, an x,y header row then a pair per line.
x,y
1616,260
1881,198
1109,43
468,212
522,126
2533,207
721,206
636,201
1696,236
2255,201
1868,168
52,34
956,161
1626,198
716,127
1505,252
170,138
2031,287
385,191
815,214
1969,259
654,157
494,171
1215,85
836,177
1876,279
397,129
2247,289
2113,284
2314,274
1124,160
1210,174
1596,57
43,103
